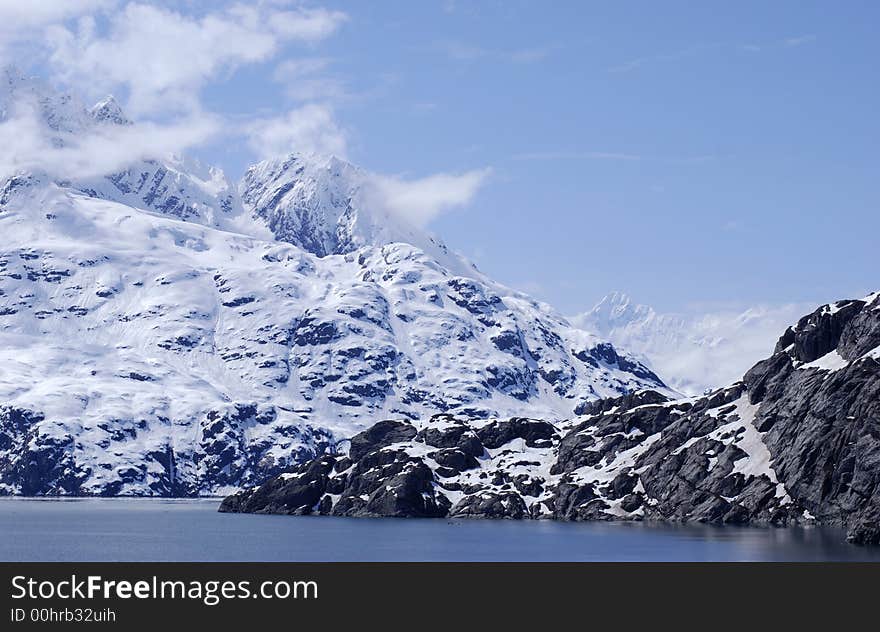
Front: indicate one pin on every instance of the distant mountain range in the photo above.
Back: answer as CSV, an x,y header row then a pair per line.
x,y
693,353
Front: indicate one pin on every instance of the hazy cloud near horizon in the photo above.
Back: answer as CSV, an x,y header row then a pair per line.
x,y
692,352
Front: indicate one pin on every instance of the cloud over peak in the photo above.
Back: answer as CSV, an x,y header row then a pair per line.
x,y
160,57
421,200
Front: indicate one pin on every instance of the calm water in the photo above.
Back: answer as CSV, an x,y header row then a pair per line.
x,y
192,530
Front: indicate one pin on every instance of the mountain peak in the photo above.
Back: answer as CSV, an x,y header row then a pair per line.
x,y
614,301
696,351
305,199
108,110
616,309
327,206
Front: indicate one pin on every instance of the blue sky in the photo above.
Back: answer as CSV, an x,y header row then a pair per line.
x,y
690,154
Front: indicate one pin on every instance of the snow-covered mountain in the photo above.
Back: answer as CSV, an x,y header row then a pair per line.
x,y
164,333
694,353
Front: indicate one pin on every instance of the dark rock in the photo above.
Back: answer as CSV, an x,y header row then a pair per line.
x,y
459,436
528,486
535,433
454,459
818,333
862,332
310,331
380,435
410,493
575,452
491,505
631,502
623,403
865,531
294,493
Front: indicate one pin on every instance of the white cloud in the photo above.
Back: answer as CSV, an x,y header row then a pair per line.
x,y
308,25
707,349
731,226
30,146
312,129
164,58
161,59
635,64
295,68
16,14
681,55
309,129
19,21
422,200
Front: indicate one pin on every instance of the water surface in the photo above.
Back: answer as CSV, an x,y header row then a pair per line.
x,y
192,530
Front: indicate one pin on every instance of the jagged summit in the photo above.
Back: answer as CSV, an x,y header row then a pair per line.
x,y
322,204
617,309
306,200
59,111
327,206
108,110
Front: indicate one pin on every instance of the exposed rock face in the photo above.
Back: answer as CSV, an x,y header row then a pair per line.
x,y
797,441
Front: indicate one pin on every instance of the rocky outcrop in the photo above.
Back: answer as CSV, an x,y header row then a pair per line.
x,y
796,441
